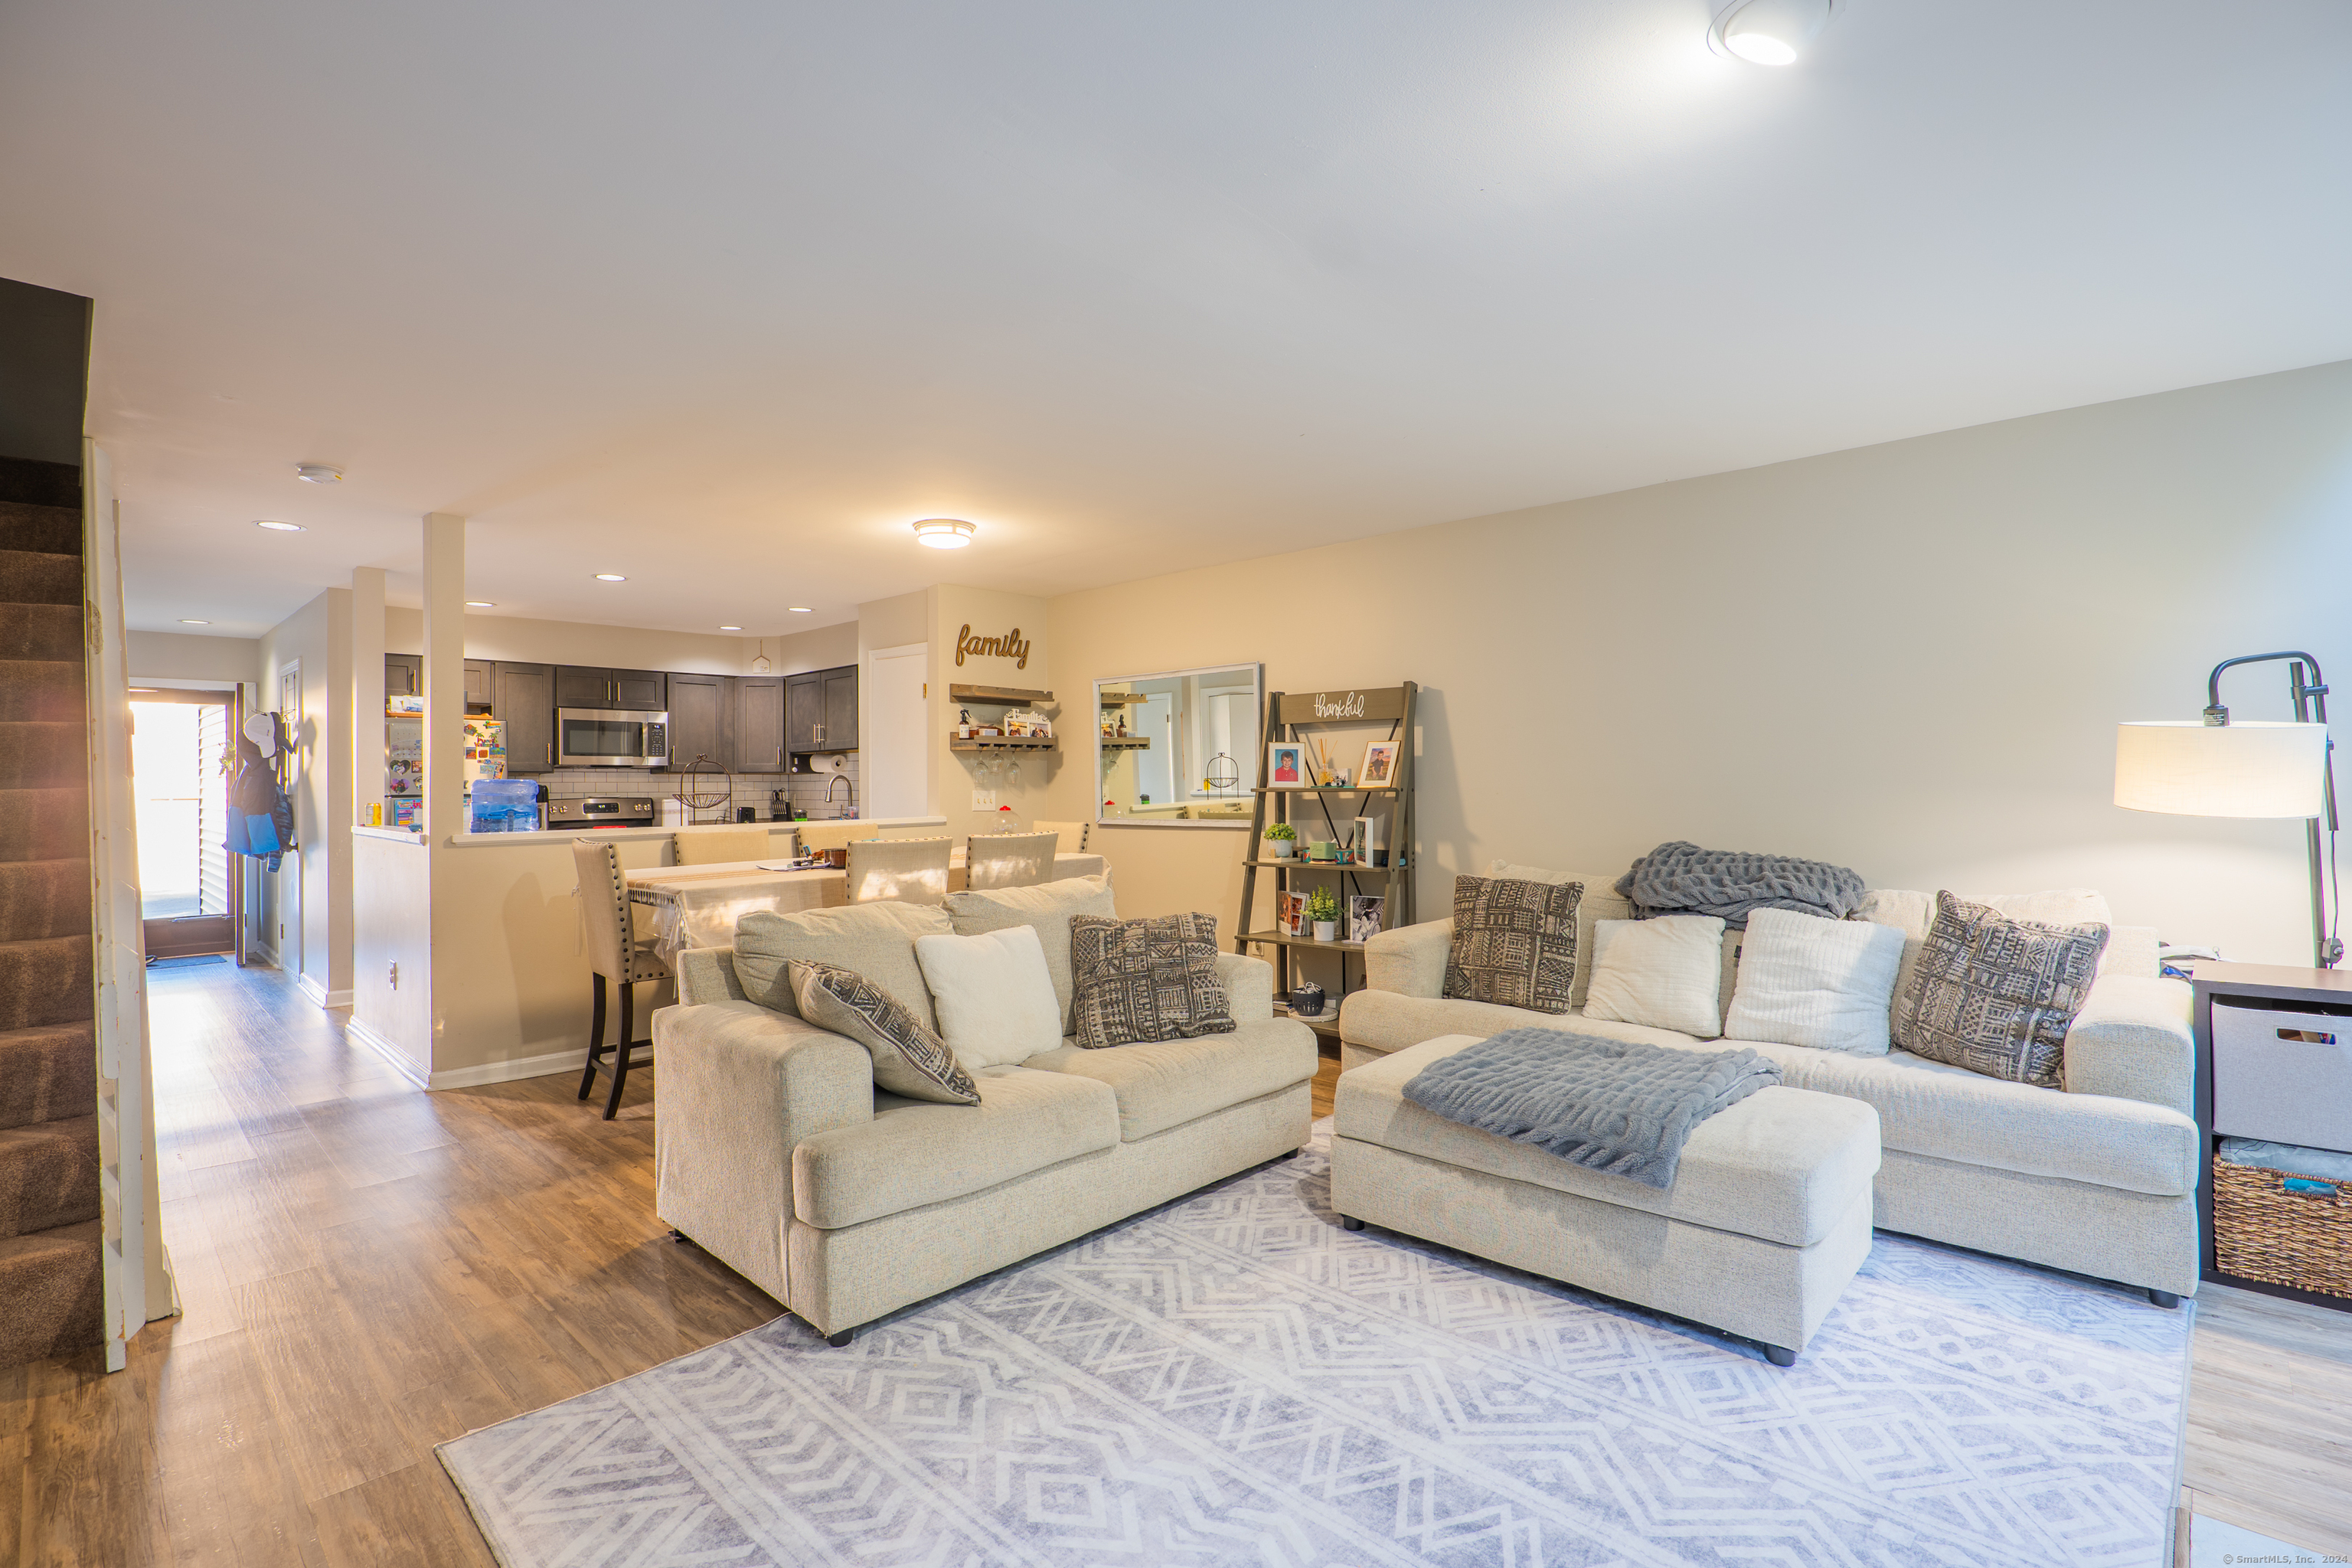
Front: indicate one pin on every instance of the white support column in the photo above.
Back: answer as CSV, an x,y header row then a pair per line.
x,y
367,690
445,676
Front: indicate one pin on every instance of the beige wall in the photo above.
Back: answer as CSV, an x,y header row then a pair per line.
x,y
988,614
393,1011
627,647
176,656
1907,658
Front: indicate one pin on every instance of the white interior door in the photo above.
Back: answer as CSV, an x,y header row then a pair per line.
x,y
894,732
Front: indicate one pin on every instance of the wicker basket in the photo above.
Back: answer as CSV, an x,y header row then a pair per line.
x,y
2261,1231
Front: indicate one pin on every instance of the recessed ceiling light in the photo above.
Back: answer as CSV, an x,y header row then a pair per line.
x,y
481,603
320,473
944,533
730,628
275,526
610,577
1768,32
185,622
142,691
800,609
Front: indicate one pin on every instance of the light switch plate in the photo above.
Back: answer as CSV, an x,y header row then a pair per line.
x,y
984,800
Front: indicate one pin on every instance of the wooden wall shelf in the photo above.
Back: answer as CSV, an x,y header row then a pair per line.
x,y
1122,698
1005,696
1127,742
1004,744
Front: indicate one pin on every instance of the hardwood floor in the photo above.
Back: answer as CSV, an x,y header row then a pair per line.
x,y
368,1270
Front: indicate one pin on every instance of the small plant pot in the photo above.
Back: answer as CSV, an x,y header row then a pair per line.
x,y
1326,931
1280,849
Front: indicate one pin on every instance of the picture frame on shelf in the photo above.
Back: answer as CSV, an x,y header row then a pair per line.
x,y
1379,771
1290,913
1285,765
1364,911
1364,839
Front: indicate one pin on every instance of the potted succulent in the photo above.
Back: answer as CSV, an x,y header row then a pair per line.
x,y
1281,841
1323,914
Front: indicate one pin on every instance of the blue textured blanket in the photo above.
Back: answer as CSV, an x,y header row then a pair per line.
x,y
1613,1106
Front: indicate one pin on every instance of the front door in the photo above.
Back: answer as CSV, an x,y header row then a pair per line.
x,y
189,889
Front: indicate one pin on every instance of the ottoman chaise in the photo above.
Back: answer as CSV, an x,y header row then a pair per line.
x,y
1768,1219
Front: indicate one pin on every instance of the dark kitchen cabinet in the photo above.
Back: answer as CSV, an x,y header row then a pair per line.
x,y
821,711
702,719
758,724
403,675
840,705
477,683
588,685
522,698
803,711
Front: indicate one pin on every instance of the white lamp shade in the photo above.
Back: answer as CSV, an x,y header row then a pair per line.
x,y
2189,768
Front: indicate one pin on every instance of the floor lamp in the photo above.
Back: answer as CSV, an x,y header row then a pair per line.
x,y
2212,767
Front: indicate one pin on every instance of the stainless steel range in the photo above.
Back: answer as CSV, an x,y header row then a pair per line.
x,y
600,811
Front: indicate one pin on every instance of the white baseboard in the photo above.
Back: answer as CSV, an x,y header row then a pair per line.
x,y
545,1064
382,1046
320,994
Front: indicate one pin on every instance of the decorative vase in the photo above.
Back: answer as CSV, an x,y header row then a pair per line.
x,y
1280,849
1326,931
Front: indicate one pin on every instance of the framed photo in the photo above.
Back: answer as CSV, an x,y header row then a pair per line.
x,y
1364,838
1379,771
1364,916
1290,914
1285,765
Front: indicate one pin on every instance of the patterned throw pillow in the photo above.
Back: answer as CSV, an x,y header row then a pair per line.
x,y
908,1057
1997,995
1514,942
1146,980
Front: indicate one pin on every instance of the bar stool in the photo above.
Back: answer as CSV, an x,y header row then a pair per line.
x,y
613,954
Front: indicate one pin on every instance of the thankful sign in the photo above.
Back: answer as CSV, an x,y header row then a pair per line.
x,y
1350,705
1012,645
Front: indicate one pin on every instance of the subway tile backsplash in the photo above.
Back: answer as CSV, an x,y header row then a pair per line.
x,y
756,791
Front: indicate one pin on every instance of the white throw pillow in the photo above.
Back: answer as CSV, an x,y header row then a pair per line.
x,y
993,994
1664,972
1805,980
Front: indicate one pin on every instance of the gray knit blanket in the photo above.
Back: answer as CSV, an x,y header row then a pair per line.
x,y
1681,879
1613,1106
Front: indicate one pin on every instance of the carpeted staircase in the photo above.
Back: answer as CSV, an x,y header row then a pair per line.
x,y
51,1295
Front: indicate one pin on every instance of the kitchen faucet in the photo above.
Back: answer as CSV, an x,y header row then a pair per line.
x,y
842,779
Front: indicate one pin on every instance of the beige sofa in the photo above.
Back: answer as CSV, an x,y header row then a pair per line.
x,y
2099,1178
775,1152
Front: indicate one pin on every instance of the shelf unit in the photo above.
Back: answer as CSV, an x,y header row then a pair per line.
x,y
1002,697
1003,743
1285,716
1127,742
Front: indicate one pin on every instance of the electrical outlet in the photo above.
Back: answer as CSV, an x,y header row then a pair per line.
x,y
984,800
391,974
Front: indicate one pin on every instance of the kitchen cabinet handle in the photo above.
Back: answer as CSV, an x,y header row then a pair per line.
x,y
551,753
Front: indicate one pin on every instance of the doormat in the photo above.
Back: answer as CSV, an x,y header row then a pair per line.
x,y
188,961
1234,1380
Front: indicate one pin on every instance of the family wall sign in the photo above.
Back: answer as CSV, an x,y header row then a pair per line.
x,y
1012,645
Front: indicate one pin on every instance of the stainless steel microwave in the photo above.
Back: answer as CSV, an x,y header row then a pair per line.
x,y
602,738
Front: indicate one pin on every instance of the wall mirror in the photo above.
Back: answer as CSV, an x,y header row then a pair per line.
x,y
1178,748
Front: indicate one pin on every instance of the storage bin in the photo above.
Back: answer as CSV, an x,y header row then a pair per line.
x,y
2284,1076
2283,1216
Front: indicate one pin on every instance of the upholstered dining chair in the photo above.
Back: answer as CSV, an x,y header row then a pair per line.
x,y
1071,835
831,833
912,871
1010,860
613,954
718,845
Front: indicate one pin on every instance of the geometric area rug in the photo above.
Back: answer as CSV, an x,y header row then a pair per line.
x,y
1234,1379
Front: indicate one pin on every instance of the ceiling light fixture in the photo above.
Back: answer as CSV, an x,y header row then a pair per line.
x,y
800,609
1768,32
319,473
944,533
730,628
481,603
275,526
610,577
185,622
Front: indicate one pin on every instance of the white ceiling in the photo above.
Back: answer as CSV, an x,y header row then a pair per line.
x,y
722,296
